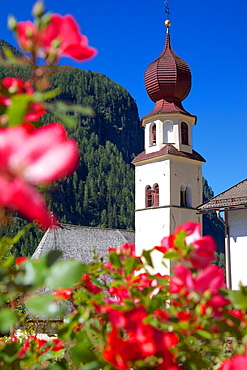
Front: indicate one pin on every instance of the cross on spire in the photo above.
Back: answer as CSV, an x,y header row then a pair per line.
x,y
167,10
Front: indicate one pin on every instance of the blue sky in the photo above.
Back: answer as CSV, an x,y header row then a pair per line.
x,y
211,36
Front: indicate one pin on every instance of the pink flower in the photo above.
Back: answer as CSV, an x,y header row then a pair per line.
x,y
202,250
35,158
27,35
210,280
60,37
66,31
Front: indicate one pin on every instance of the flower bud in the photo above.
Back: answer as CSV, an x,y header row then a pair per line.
x,y
12,23
38,9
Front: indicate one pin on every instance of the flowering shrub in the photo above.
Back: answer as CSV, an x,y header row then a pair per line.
x,y
120,316
113,315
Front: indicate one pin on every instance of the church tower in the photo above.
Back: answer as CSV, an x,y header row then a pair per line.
x,y
168,178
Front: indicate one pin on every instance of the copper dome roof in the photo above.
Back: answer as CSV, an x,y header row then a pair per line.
x,y
168,77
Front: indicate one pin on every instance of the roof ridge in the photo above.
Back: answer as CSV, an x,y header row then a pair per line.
x,y
216,196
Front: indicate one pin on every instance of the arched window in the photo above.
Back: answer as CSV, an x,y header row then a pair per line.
x,y
183,200
153,133
149,196
184,133
152,196
189,196
185,196
156,195
168,135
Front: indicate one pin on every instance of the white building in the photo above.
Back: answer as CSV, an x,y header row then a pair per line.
x,y
168,179
232,203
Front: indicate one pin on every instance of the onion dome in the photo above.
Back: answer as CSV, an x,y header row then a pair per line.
x,y
168,81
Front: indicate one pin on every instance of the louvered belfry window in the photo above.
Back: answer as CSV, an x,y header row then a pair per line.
x,y
152,196
184,133
154,134
149,197
156,195
183,196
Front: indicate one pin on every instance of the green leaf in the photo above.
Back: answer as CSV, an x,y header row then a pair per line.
x,y
48,94
96,282
62,107
8,319
115,259
171,255
44,305
204,334
85,110
18,108
64,274
68,121
91,365
82,351
154,303
233,331
58,365
180,239
147,256
34,274
52,257
130,264
238,297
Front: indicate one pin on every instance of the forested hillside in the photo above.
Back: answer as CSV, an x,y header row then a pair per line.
x,y
101,192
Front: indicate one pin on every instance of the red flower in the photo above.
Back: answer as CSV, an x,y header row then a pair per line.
x,y
237,362
86,280
16,86
63,293
138,340
20,260
60,37
39,343
167,243
125,251
28,159
57,345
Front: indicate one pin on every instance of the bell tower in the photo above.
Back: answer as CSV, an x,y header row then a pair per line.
x,y
168,178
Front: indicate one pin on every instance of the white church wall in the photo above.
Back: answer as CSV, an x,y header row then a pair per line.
x,y
186,172
152,225
238,246
179,216
149,174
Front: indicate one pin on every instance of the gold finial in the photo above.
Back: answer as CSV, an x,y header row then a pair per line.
x,y
167,11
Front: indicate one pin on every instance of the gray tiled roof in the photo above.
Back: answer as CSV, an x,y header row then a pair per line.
x,y
77,241
234,197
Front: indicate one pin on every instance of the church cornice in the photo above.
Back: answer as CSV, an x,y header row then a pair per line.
x,y
163,106
167,150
